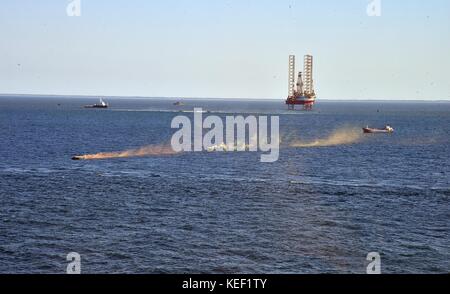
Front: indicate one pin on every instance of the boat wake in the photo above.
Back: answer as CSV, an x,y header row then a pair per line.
x,y
344,136
151,150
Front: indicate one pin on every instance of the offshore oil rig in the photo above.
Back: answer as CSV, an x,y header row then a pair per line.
x,y
301,93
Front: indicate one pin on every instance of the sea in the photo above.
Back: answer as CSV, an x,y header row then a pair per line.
x,y
334,196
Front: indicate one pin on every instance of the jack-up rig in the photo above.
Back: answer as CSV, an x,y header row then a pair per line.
x,y
302,92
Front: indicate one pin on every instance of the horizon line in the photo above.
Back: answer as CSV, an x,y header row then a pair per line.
x,y
220,98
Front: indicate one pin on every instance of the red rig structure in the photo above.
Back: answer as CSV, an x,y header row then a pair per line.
x,y
304,93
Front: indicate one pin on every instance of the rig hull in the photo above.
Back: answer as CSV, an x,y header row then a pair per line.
x,y
300,101
305,101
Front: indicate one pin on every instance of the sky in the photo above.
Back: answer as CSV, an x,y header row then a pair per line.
x,y
225,48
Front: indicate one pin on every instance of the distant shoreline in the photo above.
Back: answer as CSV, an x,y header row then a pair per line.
x,y
385,100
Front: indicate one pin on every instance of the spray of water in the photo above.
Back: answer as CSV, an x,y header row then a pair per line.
x,y
344,136
238,145
151,150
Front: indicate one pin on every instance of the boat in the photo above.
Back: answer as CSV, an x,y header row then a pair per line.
x,y
101,104
387,129
178,103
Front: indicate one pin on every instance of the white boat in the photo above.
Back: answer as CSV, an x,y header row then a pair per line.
x,y
101,104
387,129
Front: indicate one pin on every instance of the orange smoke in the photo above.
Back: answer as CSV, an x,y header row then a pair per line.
x,y
151,150
343,136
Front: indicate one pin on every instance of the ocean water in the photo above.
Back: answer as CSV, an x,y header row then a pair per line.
x,y
321,208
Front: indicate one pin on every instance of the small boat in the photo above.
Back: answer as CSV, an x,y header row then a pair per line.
x,y
387,129
178,103
101,104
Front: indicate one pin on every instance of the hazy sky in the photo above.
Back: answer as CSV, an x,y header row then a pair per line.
x,y
219,48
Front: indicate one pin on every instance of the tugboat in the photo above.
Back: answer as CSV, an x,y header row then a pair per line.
x,y
101,104
387,129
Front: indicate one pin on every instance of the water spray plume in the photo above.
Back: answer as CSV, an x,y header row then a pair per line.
x,y
345,136
151,150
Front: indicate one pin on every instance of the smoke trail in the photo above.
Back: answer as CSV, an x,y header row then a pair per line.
x,y
343,136
151,150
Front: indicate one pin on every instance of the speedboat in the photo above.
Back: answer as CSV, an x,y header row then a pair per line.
x,y
101,104
387,129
